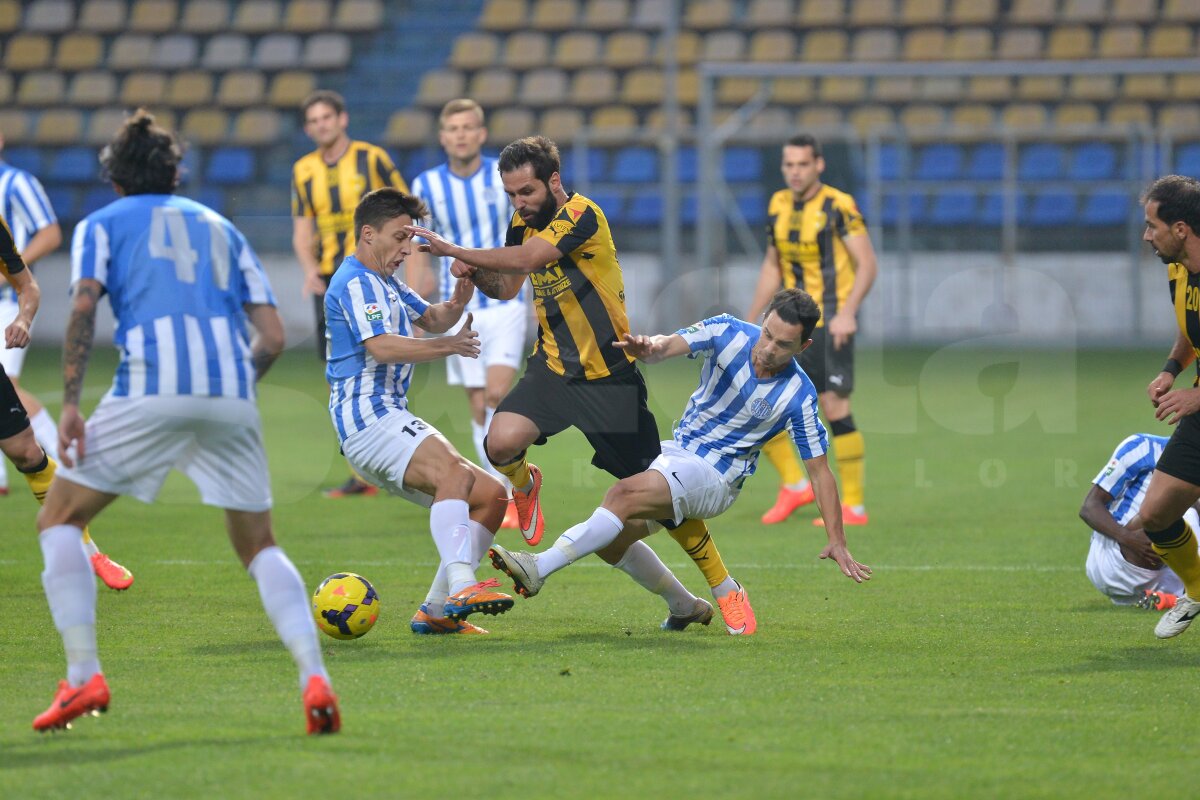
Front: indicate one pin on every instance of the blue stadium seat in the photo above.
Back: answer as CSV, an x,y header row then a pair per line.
x,y
986,162
210,196
596,165
635,165
96,199
75,165
645,210
687,164
1107,208
940,162
889,162
62,200
753,206
189,168
230,165
956,207
689,210
417,161
991,210
890,213
1041,162
612,203
742,164
1049,208
26,158
1187,160
1094,161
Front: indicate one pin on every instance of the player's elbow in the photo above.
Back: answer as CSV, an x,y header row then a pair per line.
x,y
53,237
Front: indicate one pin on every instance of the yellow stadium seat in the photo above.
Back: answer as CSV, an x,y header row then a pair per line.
x,y
776,14
1076,115
642,87
561,125
868,119
708,15
90,89
688,47
130,51
1179,118
773,46
526,50
1100,88
503,15
772,121
605,15
735,91
306,16
358,15
1170,41
825,45
554,15
143,89
792,91
60,126
842,90
439,87
493,88
257,16
102,125
925,44
410,127
594,87
10,15
656,120
973,12
1089,11
1181,11
257,126
923,118
942,89
627,49
1024,116
1145,87
1185,86
923,12
1074,41
989,88
1039,87
78,51
724,46
508,124
820,13
1133,113
288,89
101,16
205,126
241,88
894,89
14,124
1033,12
204,16
577,50
41,89
689,87
27,51
973,117
474,50
543,87
819,118
613,121
969,44
865,13
1134,10
1020,43
153,16
188,89
875,44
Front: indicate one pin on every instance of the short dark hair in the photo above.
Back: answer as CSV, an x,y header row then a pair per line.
x,y
381,205
326,96
1178,198
143,158
537,151
796,307
805,140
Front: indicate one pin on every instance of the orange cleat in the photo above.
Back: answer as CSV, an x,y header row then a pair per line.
x,y
425,623
113,574
787,501
321,707
477,599
738,613
71,702
1156,600
529,509
849,517
511,518
353,487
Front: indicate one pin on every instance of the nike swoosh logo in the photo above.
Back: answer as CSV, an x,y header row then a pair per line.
x,y
1190,616
675,475
69,700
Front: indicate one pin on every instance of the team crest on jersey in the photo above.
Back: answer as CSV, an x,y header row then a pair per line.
x,y
760,409
694,328
1111,466
372,312
561,227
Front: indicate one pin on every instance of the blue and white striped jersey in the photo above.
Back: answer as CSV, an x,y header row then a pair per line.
x,y
24,204
360,305
472,212
177,275
732,413
1127,474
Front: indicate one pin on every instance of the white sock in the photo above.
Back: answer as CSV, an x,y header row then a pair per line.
x,y
725,587
438,591
798,486
3,473
481,542
90,548
642,564
290,610
448,522
45,432
587,537
71,592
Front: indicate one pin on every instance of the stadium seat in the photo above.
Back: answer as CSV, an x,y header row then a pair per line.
x,y
508,124
954,207
865,119
973,117
973,12
969,44
1121,41
1020,43
1069,115
645,209
1179,119
230,165
226,51
27,51
288,89
792,91
939,162
493,88
612,203
576,50
543,87
474,50
991,209
103,124
593,87
1170,41
177,51
773,46
688,46
651,16
92,89
10,15
257,16
1134,10
205,126
143,89
593,169
708,15
890,213
256,127
642,87
925,44
626,49
26,158
768,14
842,90
941,89
923,117
326,51
986,162
894,89
1098,88
615,120
1185,86
1070,41
15,124
1145,87
78,51
922,12
1187,160
212,197
1033,12
153,16
635,165
1088,11
96,199
1181,11
1041,162
1049,208
724,46
101,16
417,161
277,51
1131,113
875,44
438,87
51,16
735,91
60,126
991,88
1093,161
130,51
189,89
504,15
1106,208
889,162
562,125
554,15
409,127
41,89
1039,87
1025,116
358,15
751,206
742,164
864,13
605,15
62,200
821,13
204,16
74,165
306,16
241,88
825,45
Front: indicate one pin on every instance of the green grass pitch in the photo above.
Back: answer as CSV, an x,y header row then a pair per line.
x,y
978,663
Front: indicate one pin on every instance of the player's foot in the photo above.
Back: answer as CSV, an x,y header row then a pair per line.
x,y
1176,620
425,623
787,501
529,509
71,702
321,707
1154,600
738,613
511,518
850,516
521,567
113,574
352,487
3,491
477,599
702,612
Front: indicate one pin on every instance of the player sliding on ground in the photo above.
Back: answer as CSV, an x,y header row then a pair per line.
x,y
751,389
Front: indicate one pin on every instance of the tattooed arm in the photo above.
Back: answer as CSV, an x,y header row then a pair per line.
x,y
77,349
497,285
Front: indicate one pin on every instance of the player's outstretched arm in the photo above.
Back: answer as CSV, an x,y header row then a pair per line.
x,y
269,337
441,317
522,259
653,349
830,506
392,348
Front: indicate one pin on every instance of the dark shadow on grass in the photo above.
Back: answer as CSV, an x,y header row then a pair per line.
x,y
54,749
1150,657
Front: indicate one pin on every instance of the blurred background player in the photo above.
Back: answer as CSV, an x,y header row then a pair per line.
x,y
716,443
467,204
371,352
817,240
326,187
186,290
1121,562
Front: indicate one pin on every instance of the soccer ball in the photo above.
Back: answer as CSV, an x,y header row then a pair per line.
x,y
345,605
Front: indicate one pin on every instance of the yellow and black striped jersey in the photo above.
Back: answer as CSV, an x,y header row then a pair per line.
x,y
580,298
808,236
10,260
1185,294
329,194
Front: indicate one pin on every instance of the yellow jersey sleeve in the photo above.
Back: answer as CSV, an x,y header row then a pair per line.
x,y
849,220
574,224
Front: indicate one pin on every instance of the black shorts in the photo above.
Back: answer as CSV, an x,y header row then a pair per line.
x,y
830,370
611,412
1181,457
319,308
13,418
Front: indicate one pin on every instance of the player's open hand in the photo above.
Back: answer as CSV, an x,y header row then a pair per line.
x,y
462,293
464,342
639,346
433,243
313,286
17,334
850,568
1160,386
841,327
71,433
1177,404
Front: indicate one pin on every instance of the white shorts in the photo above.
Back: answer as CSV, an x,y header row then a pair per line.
x,y
11,358
1123,582
501,344
697,490
380,453
131,443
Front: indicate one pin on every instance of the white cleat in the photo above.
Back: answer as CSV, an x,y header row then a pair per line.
x,y
1176,620
521,567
